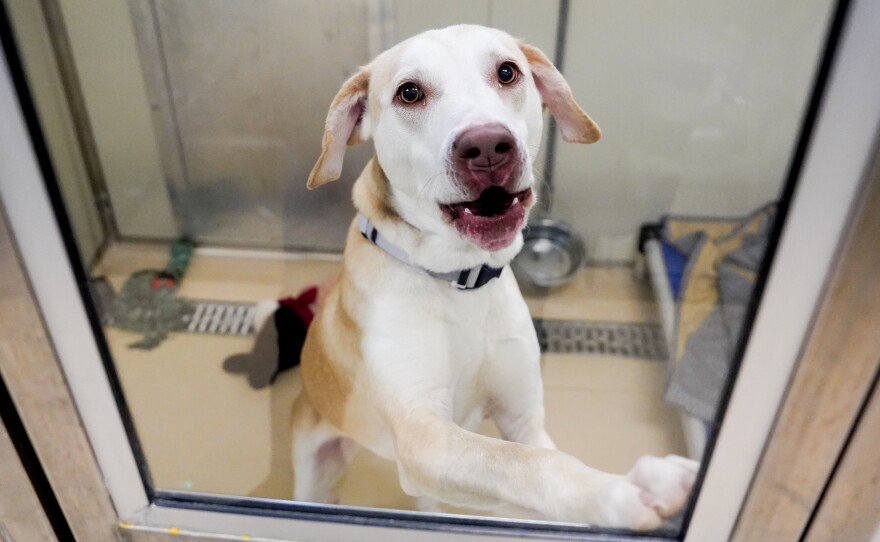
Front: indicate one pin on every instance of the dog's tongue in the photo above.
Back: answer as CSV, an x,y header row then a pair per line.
x,y
492,232
493,220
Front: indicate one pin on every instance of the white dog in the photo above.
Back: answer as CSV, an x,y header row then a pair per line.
x,y
425,333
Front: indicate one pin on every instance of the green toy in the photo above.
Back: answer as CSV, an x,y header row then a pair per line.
x,y
148,302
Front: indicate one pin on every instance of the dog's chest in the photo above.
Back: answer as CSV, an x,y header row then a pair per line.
x,y
473,321
460,331
425,340
472,327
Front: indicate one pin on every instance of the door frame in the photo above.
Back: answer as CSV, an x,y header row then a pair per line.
x,y
829,390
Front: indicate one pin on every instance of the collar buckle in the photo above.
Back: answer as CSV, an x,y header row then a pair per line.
x,y
470,279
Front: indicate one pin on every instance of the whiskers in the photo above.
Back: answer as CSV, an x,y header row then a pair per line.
x,y
431,191
542,190
425,190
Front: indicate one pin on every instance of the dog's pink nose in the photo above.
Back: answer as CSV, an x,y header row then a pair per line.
x,y
485,146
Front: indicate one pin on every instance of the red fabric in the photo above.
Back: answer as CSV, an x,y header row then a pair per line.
x,y
302,304
160,282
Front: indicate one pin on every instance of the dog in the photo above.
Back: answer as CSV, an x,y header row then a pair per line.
x,y
425,334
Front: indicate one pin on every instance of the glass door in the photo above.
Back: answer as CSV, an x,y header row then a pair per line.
x,y
656,273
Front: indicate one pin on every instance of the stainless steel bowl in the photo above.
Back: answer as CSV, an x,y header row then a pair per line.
x,y
552,253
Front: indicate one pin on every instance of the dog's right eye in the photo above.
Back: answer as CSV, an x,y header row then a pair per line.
x,y
409,93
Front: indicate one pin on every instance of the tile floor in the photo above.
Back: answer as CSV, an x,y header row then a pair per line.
x,y
205,430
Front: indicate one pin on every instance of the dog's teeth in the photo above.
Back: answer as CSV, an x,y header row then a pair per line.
x,y
515,201
467,211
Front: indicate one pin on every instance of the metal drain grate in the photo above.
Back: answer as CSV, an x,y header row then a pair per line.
x,y
635,340
221,318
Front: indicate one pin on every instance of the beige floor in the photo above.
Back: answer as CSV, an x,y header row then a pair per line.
x,y
205,430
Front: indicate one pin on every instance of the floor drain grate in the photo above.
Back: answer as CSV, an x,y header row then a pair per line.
x,y
636,340
221,318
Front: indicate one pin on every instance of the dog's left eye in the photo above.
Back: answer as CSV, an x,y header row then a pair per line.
x,y
409,93
507,73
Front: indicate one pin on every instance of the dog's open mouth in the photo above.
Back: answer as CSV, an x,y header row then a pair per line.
x,y
492,220
493,201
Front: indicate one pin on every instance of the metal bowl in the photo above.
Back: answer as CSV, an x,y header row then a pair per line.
x,y
552,253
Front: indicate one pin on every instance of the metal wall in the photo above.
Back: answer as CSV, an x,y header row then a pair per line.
x,y
239,91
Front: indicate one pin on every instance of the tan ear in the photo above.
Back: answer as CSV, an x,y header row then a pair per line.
x,y
341,127
575,125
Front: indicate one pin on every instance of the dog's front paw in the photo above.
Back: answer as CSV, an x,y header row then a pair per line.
x,y
665,483
655,489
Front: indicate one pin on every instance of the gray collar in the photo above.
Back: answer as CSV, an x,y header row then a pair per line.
x,y
465,279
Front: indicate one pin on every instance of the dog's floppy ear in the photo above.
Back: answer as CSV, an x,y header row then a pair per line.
x,y
575,125
343,126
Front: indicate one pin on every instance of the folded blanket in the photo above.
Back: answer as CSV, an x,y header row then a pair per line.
x,y
723,259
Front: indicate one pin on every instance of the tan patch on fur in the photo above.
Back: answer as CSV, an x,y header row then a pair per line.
x,y
327,384
332,367
574,124
304,415
319,175
372,193
427,448
329,164
381,195
534,55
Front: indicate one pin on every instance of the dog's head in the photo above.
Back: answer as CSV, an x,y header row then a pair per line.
x,y
456,118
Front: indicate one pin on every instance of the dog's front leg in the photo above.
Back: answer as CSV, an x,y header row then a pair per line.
x,y
440,460
511,378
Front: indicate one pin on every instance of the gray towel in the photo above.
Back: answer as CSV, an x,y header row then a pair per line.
x,y
701,369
